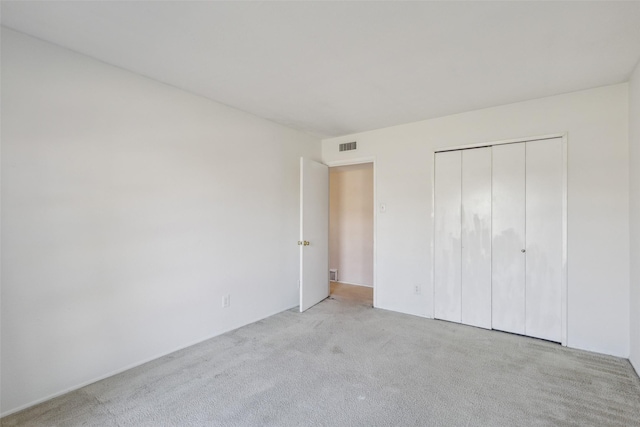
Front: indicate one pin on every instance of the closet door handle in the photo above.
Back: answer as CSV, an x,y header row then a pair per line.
x,y
523,250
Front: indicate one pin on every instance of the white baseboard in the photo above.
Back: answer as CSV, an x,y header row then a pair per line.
x,y
130,366
354,284
636,367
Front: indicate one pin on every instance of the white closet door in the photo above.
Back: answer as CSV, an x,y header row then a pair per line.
x,y
447,235
544,239
508,232
476,237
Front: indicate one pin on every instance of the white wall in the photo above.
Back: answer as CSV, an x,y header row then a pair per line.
x,y
129,208
634,213
351,223
597,125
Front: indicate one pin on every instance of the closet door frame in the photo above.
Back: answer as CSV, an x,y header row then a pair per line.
x,y
564,275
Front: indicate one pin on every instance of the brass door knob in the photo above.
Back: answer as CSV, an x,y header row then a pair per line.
x,y
306,243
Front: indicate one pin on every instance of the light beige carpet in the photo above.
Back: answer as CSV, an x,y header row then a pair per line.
x,y
343,363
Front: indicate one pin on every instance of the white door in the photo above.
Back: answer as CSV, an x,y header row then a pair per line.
x,y
476,237
463,236
448,227
527,238
544,239
314,233
498,243
508,230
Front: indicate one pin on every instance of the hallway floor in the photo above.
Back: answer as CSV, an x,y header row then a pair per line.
x,y
354,293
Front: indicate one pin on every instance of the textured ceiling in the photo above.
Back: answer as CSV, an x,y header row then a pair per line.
x,y
333,68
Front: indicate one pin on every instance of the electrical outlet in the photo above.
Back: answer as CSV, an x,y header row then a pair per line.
x,y
417,289
226,301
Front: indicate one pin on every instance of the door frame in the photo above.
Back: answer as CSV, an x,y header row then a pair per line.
x,y
564,274
358,161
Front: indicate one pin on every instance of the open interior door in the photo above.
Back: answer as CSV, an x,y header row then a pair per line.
x,y
314,233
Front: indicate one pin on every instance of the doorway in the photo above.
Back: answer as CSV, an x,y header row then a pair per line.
x,y
351,232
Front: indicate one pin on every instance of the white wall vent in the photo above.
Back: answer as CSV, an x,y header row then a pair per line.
x,y
348,146
333,275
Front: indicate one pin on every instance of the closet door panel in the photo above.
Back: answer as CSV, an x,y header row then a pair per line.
x,y
447,244
476,237
508,238
544,239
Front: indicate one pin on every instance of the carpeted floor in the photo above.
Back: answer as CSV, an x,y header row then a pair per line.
x,y
342,363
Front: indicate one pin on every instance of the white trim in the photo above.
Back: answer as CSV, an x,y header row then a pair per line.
x,y
502,142
375,233
433,234
351,283
348,162
565,223
357,161
564,330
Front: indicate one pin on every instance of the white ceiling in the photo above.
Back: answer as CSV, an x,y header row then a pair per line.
x,y
333,68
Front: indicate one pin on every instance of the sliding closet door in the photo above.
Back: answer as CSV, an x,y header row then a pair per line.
x,y
544,239
476,237
508,232
447,247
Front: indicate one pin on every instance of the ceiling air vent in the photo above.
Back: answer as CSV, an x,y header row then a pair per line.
x,y
348,146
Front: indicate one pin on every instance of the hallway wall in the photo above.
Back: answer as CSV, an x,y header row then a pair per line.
x,y
351,223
